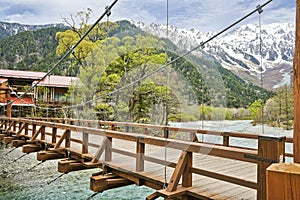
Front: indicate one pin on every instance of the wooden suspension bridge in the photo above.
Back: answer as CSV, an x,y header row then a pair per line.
x,y
128,153
154,156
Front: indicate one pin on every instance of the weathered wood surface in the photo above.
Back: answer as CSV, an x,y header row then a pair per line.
x,y
288,186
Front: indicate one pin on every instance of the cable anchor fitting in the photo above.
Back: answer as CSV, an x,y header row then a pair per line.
x,y
108,11
259,9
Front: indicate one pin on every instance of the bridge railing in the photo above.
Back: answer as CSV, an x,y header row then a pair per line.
x,y
222,138
270,149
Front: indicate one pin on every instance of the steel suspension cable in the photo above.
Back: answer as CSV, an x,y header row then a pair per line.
x,y
167,96
261,66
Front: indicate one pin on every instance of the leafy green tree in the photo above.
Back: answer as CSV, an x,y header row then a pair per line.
x,y
256,110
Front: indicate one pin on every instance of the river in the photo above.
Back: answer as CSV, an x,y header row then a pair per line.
x,y
17,181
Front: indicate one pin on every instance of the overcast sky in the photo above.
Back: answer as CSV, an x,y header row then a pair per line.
x,y
205,15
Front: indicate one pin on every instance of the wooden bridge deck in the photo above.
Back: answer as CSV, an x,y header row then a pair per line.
x,y
176,168
203,187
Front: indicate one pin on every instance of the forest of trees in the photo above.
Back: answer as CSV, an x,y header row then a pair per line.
x,y
115,55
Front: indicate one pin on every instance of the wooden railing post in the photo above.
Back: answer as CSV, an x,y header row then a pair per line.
x,y
270,150
166,132
33,129
226,139
127,129
54,133
187,177
26,128
20,125
68,139
43,133
108,150
140,151
85,142
15,126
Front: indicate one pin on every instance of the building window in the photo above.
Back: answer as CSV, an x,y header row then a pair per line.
x,y
58,97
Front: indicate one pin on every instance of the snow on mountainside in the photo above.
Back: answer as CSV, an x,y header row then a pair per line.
x,y
10,29
239,49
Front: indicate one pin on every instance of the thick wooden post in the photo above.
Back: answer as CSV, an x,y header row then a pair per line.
x,y
108,150
296,74
140,151
283,181
270,150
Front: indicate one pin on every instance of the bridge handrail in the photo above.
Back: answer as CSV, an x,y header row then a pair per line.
x,y
241,154
226,135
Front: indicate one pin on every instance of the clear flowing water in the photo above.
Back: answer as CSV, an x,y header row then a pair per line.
x,y
17,182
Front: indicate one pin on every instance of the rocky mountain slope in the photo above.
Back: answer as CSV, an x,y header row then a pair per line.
x,y
10,29
239,50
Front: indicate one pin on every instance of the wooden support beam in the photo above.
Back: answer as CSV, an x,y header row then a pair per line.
x,y
172,186
100,150
67,165
24,126
177,193
8,140
49,155
37,133
153,196
30,148
270,150
18,143
2,136
104,182
61,139
10,125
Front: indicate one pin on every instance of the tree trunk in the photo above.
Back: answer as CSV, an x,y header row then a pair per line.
x,y
296,73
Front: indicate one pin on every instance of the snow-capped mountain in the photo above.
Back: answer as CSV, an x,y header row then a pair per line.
x,y
10,29
239,49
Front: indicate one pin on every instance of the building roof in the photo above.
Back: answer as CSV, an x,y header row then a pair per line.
x,y
57,81
50,81
6,73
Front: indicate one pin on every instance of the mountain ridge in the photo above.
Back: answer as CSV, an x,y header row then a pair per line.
x,y
239,49
8,29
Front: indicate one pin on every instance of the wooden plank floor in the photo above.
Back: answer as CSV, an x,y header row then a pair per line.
x,y
203,187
